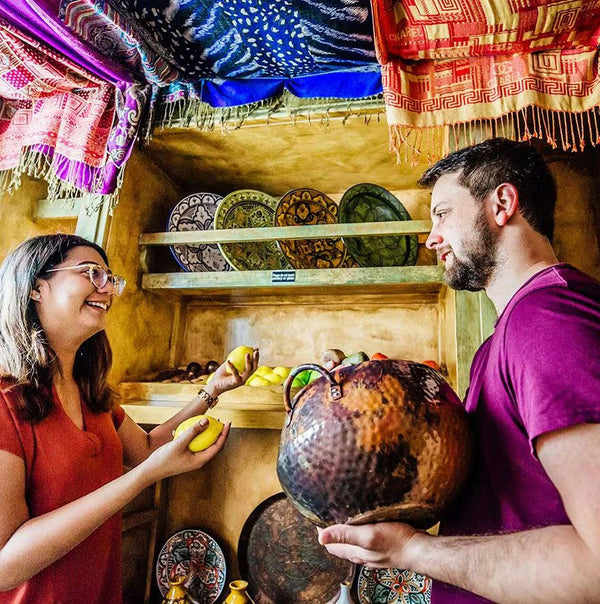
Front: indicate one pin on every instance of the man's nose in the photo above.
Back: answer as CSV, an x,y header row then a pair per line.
x,y
433,240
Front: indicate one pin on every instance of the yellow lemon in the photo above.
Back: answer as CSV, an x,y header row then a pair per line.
x,y
257,380
206,438
282,371
274,378
263,371
238,357
210,377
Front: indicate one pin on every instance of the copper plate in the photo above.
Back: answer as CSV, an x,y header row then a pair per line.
x,y
280,557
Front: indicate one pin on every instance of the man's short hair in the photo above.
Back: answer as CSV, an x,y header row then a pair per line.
x,y
487,165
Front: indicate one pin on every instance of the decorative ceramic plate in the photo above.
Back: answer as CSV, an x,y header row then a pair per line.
x,y
280,557
372,203
198,556
249,209
303,207
196,213
386,585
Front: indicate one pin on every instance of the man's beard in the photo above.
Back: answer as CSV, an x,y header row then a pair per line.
x,y
475,270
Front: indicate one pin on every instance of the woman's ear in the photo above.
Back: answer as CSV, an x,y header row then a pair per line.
x,y
506,203
35,295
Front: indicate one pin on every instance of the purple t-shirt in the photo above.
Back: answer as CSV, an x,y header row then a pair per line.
x,y
539,371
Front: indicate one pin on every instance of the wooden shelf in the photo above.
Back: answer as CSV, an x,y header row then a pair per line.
x,y
245,407
421,281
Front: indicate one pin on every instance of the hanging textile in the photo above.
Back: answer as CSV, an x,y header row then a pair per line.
x,y
214,62
60,122
521,69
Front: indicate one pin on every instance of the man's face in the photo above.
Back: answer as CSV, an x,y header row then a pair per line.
x,y
461,235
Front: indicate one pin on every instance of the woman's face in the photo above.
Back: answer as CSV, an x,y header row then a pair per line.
x,y
71,308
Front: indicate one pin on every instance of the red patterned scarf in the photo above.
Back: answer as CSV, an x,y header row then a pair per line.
x,y
465,69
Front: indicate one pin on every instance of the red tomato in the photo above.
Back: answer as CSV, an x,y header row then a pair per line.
x,y
432,364
379,356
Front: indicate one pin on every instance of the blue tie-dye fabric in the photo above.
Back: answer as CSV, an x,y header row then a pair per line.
x,y
235,39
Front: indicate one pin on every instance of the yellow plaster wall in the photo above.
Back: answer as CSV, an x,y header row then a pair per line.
x,y
140,323
576,230
16,216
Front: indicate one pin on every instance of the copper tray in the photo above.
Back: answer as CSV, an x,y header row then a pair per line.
x,y
280,557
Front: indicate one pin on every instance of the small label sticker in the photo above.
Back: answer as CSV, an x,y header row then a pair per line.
x,y
283,276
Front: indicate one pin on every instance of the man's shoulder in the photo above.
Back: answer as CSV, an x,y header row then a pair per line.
x,y
557,290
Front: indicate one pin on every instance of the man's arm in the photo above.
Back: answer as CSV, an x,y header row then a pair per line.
x,y
556,563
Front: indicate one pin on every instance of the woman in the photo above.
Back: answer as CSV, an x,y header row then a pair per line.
x,y
62,440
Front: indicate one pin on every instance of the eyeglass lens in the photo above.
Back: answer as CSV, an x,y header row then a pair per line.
x,y
100,277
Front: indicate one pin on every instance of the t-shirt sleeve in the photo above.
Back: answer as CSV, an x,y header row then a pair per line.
x,y
552,348
118,415
9,433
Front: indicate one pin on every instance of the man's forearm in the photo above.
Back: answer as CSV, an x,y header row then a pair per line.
x,y
551,564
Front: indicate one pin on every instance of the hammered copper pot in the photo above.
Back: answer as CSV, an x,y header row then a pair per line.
x,y
383,440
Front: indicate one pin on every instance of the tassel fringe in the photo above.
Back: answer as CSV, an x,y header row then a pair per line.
x,y
186,113
568,131
36,164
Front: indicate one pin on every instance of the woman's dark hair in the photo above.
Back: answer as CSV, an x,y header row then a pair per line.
x,y
487,165
27,361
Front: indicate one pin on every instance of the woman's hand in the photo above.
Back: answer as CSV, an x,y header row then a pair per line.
x,y
227,377
175,456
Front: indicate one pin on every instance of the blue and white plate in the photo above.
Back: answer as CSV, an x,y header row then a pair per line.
x,y
196,213
197,556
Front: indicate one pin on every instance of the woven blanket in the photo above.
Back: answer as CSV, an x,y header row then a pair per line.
x,y
521,68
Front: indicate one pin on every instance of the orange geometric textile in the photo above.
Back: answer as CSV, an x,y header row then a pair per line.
x,y
443,29
519,68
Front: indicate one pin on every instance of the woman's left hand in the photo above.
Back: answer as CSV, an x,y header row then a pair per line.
x,y
227,377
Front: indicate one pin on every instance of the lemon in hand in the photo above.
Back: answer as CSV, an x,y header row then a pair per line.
x,y
238,357
206,438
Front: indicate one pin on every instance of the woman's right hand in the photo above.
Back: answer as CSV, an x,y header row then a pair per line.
x,y
175,456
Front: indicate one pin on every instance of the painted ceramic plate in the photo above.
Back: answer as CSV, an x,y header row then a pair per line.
x,y
305,207
198,556
372,203
249,209
386,585
280,557
196,213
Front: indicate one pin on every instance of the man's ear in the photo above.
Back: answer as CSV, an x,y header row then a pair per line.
x,y
505,203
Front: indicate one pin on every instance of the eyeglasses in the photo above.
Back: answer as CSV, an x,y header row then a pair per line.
x,y
98,276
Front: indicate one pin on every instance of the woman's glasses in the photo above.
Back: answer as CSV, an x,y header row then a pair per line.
x,y
98,276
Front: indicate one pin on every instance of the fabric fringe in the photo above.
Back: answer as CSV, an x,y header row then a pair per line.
x,y
566,130
37,164
193,113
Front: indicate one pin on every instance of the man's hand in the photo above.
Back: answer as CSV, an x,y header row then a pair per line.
x,y
381,545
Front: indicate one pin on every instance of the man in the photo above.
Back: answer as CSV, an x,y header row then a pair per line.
x,y
527,526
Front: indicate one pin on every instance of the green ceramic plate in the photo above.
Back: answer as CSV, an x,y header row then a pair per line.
x,y
306,207
249,209
371,203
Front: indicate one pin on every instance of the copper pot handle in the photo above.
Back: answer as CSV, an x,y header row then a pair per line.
x,y
334,388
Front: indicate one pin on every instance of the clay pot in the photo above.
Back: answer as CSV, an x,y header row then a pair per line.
x,y
238,593
383,440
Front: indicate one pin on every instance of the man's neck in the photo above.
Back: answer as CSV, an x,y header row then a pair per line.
x,y
515,267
